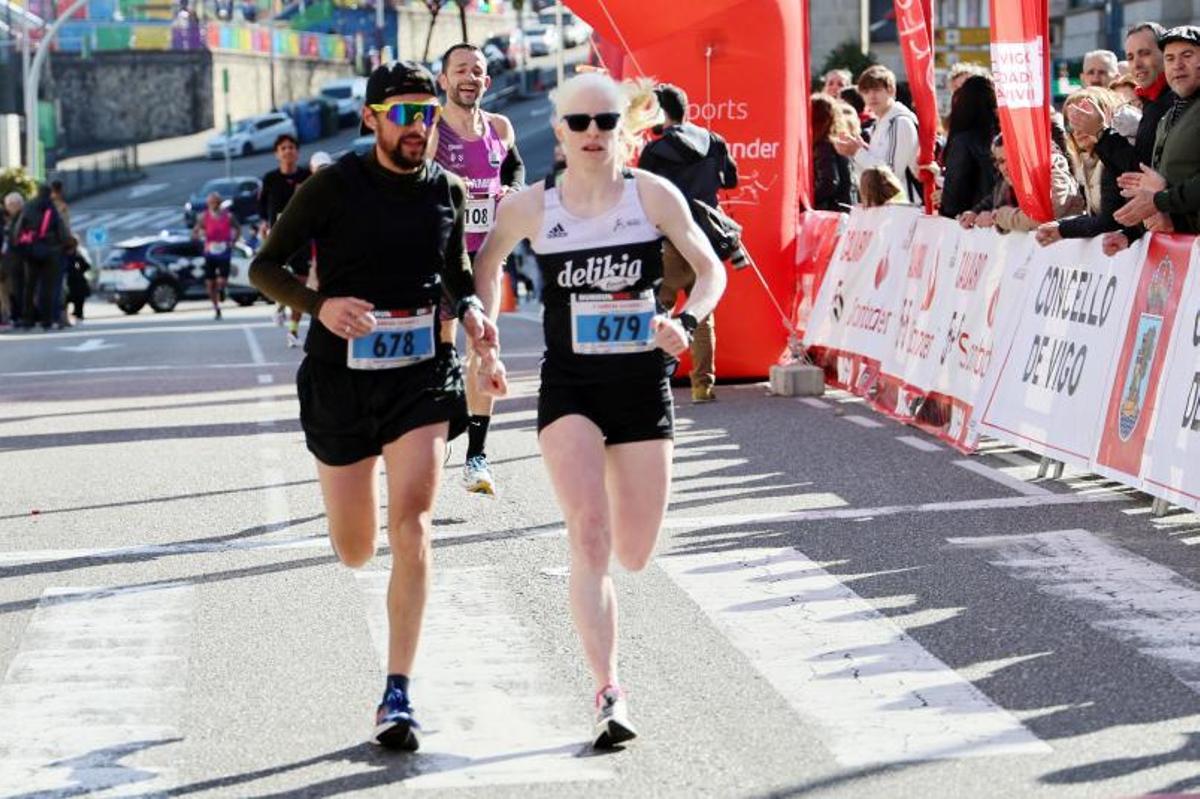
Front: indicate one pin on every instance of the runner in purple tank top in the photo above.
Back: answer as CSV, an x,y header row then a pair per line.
x,y
481,148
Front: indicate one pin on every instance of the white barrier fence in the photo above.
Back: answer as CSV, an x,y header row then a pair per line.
x,y
1084,358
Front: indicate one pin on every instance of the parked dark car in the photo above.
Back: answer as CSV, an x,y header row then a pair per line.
x,y
239,193
162,270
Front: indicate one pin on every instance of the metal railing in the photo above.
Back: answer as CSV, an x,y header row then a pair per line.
x,y
102,173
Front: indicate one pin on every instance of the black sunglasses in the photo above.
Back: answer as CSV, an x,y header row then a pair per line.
x,y
580,122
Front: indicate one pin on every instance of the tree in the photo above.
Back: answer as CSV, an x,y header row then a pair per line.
x,y
16,179
847,55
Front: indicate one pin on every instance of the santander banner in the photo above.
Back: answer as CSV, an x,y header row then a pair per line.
x,y
711,50
1021,70
917,47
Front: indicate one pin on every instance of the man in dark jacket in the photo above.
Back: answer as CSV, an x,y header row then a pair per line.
x,y
1166,194
698,162
41,236
1143,50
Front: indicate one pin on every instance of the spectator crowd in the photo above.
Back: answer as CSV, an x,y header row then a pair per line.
x,y
42,270
1123,155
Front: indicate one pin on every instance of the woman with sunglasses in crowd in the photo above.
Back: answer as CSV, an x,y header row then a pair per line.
x,y
388,231
605,410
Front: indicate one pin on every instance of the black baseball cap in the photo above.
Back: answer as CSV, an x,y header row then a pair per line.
x,y
396,77
1183,33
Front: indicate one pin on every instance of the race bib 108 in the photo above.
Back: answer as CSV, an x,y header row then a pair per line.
x,y
479,213
400,338
612,324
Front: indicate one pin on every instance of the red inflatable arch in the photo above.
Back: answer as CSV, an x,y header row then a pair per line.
x,y
744,66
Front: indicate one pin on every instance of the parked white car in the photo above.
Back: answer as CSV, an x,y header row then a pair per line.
x,y
252,135
540,40
348,93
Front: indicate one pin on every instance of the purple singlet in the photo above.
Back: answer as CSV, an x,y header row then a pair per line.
x,y
478,164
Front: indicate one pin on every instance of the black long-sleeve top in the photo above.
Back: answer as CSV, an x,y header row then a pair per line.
x,y
394,240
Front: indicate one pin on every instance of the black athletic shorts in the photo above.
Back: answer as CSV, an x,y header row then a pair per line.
x,y
625,412
350,414
216,267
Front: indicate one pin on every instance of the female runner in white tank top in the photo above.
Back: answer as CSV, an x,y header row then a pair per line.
x,y
605,416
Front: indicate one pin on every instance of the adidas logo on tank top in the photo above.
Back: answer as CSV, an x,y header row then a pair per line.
x,y
557,232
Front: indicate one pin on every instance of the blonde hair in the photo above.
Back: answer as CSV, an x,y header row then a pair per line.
x,y
879,186
634,99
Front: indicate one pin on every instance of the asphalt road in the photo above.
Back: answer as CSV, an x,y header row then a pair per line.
x,y
156,203
840,606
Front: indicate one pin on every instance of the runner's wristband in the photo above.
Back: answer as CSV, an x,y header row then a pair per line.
x,y
467,303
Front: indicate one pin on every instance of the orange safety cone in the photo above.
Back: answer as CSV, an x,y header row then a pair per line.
x,y
508,294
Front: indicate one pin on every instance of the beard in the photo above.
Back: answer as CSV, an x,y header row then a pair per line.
x,y
457,98
407,154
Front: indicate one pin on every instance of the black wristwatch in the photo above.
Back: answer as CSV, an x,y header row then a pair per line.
x,y
689,323
467,303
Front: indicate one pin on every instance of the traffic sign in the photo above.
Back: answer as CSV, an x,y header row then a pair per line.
x,y
97,236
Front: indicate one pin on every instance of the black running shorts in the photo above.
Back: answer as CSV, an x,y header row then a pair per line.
x,y
625,412
350,414
216,267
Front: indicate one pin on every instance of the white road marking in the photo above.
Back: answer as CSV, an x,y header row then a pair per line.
x,y
256,353
1006,480
144,329
491,711
919,443
91,345
95,691
264,380
133,219
819,514
1118,593
864,421
879,696
162,368
146,189
813,402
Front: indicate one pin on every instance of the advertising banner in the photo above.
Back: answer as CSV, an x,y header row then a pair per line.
x,y
1021,71
1134,392
1171,458
915,26
855,315
1049,391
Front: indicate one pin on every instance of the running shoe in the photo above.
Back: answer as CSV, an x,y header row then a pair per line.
x,y
395,727
280,315
477,477
293,340
217,314
613,727
702,394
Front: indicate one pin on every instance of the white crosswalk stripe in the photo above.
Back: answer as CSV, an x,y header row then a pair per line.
x,y
491,709
129,221
879,696
1117,592
95,690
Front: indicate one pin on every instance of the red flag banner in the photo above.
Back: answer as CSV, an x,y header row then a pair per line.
x,y
1021,69
917,49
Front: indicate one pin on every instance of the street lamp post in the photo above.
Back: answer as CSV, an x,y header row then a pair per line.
x,y
33,78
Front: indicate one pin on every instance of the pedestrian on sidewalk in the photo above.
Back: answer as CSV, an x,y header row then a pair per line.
x,y
78,289
12,279
40,235
64,213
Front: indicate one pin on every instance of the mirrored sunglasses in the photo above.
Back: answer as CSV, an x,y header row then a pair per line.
x,y
408,113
